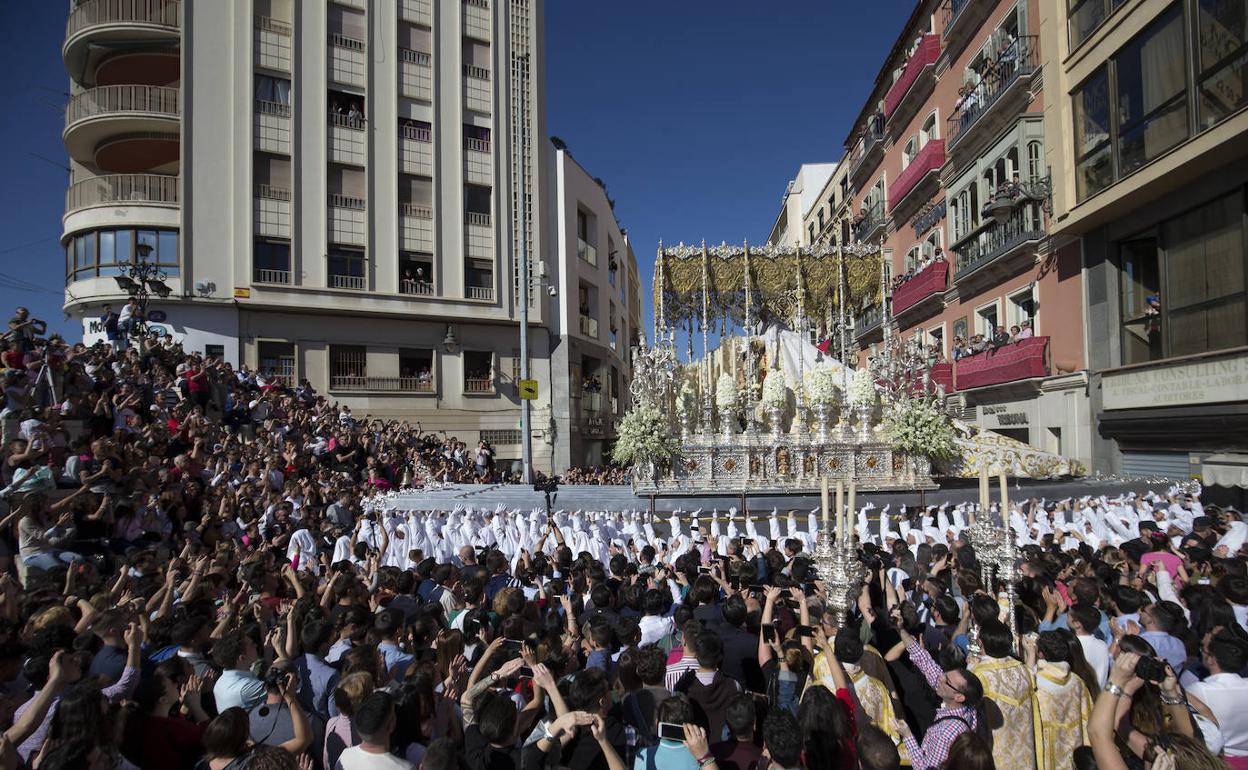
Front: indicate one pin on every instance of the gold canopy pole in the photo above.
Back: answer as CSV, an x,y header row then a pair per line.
x,y
749,343
660,319
706,320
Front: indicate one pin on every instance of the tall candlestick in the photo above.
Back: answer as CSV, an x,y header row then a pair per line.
x,y
1005,498
983,489
823,499
853,493
840,499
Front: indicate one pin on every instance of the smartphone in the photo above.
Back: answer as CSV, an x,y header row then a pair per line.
x,y
672,731
524,672
805,631
704,570
755,587
769,634
773,544
512,645
734,583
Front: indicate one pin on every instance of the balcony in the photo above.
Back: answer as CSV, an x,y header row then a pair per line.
x,y
481,292
477,19
871,222
869,323
347,220
381,384
95,26
416,74
918,181
347,61
942,375
353,282
478,164
591,403
995,251
272,211
272,127
960,19
587,253
417,11
478,385
477,96
998,98
872,151
265,275
479,235
916,293
416,227
105,112
347,139
122,190
589,326
272,44
416,151
1023,360
419,288
915,82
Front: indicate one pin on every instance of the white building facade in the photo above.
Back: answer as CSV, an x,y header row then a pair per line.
x,y
333,190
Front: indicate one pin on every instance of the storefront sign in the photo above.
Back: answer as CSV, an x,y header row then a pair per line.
x,y
1206,381
1005,415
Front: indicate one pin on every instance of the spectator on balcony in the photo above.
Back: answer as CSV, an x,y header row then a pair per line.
x,y
1008,54
939,256
1025,331
979,344
1000,337
960,348
1015,330
355,118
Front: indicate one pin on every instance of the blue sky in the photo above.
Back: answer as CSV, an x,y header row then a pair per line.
x,y
694,113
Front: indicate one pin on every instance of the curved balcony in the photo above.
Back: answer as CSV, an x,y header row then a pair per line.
x,y
121,190
1023,360
99,114
917,182
917,293
137,22
915,82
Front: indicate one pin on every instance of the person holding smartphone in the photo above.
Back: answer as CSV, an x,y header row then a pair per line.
x,y
682,744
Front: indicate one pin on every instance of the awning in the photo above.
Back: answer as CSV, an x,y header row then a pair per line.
x,y
1225,470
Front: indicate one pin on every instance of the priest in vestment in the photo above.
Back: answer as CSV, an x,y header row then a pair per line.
x,y
1009,688
1064,701
872,694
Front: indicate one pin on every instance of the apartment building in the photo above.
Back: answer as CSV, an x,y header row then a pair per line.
x,y
596,313
1147,135
799,200
946,168
333,191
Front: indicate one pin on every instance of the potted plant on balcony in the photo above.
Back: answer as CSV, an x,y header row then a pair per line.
x,y
644,441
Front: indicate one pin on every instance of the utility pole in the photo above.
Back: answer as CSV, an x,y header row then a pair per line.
x,y
526,437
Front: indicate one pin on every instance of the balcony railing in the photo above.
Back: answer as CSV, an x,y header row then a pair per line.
x,y
265,275
589,326
346,120
108,100
477,218
412,286
268,24
476,145
385,384
415,57
144,189
273,193
416,210
1019,60
340,201
927,217
273,108
162,13
416,133
930,158
924,56
986,245
586,252
478,385
1023,360
342,41
929,281
872,140
871,221
481,292
346,281
868,320
473,71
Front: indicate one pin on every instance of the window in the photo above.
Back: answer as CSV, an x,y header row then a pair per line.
x,y
1222,69
1022,307
1182,285
913,257
480,274
476,138
1094,169
1035,161
986,318
277,360
1152,110
820,219
501,436
810,230
932,246
415,368
271,261
911,150
271,174
348,365
415,273
477,199
106,252
1084,16
346,268
273,90
936,342
929,130
478,371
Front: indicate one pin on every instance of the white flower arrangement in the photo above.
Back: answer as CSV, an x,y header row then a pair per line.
x,y
862,388
775,391
821,385
687,401
919,427
726,392
643,436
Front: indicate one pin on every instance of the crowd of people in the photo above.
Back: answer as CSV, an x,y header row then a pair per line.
x,y
964,347
928,260
199,579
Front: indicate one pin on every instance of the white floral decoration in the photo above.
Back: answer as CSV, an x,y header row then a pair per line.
x,y
862,388
643,436
775,391
726,392
920,427
687,401
821,385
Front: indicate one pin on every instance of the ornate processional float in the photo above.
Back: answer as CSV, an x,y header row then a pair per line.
x,y
765,411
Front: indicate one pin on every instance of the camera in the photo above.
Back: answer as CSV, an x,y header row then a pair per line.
x,y
1150,669
550,485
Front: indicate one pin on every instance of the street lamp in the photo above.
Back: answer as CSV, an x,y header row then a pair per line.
x,y
450,343
139,280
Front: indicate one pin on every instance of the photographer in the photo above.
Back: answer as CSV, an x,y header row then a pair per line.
x,y
280,719
23,329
